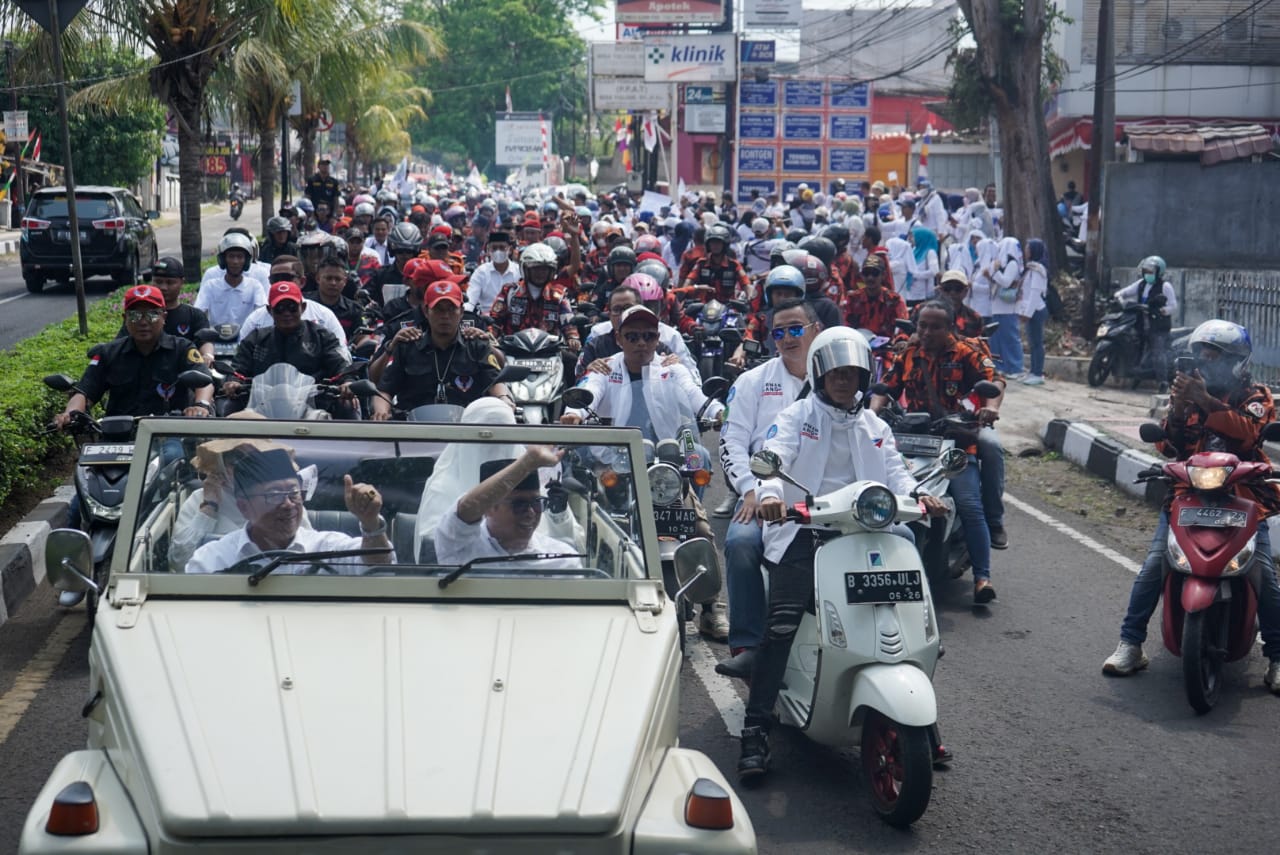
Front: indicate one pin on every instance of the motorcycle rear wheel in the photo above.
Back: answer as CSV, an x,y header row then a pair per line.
x,y
1100,366
898,763
1204,649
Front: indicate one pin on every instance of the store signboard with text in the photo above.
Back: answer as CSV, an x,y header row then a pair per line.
x,y
691,59
669,11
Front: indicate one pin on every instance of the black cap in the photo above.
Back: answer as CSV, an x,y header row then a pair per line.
x,y
492,467
262,467
325,160
168,267
499,237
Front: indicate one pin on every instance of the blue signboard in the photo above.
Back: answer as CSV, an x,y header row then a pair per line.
x,y
797,159
802,126
765,187
790,189
758,53
701,95
757,126
847,161
850,128
802,93
757,158
757,94
850,96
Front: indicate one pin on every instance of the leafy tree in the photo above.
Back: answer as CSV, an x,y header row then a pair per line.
x,y
530,45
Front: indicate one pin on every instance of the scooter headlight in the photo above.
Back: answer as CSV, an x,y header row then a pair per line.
x,y
1103,331
1240,563
875,507
835,628
1208,477
105,512
665,484
1177,558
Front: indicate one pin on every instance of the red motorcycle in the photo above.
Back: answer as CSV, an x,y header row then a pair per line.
x,y
1212,580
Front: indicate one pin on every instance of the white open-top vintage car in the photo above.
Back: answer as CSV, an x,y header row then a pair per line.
x,y
383,703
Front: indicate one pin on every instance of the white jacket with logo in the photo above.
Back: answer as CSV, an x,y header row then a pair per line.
x,y
669,392
802,436
756,399
668,336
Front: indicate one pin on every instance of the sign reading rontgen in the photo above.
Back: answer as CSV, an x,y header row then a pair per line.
x,y
670,12
518,139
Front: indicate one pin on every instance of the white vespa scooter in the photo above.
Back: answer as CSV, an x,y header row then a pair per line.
x,y
860,670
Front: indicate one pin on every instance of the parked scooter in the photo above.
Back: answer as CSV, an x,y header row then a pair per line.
x,y
1211,590
861,668
1121,348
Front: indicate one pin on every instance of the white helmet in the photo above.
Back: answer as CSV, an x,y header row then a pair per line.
x,y
839,347
235,240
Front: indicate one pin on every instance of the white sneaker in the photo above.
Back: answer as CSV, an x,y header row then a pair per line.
x,y
1272,678
1033,380
1127,659
1018,376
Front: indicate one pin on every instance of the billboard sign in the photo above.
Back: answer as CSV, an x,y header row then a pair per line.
x,y
758,94
628,93
704,118
704,94
691,59
757,126
617,59
772,14
758,52
669,12
518,139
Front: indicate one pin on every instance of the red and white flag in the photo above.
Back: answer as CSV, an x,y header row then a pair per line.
x,y
509,107
35,149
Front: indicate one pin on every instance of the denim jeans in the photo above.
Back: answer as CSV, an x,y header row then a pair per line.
x,y
1006,344
991,470
1150,582
743,556
1035,340
966,490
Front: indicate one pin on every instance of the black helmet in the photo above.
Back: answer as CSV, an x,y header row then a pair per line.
x,y
405,237
823,248
278,224
838,235
797,235
621,255
777,255
720,232
658,270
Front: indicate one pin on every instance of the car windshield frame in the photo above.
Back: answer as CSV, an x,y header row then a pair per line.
x,y
635,559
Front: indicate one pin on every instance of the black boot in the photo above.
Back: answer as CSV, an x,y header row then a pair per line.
x,y
754,761
739,665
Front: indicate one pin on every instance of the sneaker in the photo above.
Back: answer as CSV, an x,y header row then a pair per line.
x,y
999,539
69,599
1129,658
1018,376
739,665
712,623
983,592
1033,380
724,510
754,760
1272,678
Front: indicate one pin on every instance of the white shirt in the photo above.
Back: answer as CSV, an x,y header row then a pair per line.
x,y
227,305
755,400
487,282
672,396
228,549
312,310
458,542
194,529
378,249
668,336
924,275
1134,292
258,270
1035,285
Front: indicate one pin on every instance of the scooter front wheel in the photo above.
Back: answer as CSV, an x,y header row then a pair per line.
x,y
898,762
1101,365
1204,649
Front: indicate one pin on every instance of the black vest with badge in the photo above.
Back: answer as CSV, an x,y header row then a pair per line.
x,y
419,373
137,384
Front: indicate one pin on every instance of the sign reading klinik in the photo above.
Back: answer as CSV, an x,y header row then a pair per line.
x,y
691,59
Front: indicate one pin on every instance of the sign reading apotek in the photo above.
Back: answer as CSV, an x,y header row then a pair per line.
x,y
692,59
669,12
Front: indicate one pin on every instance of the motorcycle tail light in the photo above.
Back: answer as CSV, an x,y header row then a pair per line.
x,y
708,806
74,812
835,628
1208,477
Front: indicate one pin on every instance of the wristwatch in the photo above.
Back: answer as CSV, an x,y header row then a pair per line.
x,y
381,529
204,404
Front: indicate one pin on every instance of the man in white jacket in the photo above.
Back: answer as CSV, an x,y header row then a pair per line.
x,y
762,393
825,441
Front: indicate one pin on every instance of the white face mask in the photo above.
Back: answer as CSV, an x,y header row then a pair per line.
x,y
499,256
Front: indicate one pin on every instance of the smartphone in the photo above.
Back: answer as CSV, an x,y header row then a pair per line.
x,y
1185,365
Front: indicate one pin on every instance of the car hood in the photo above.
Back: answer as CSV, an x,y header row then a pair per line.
x,y
338,718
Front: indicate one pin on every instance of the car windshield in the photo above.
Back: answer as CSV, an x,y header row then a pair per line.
x,y
88,207
255,503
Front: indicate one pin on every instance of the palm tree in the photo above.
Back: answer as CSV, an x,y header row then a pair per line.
x,y
377,113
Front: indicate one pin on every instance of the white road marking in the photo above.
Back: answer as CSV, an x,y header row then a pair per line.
x,y
11,299
719,688
32,679
1079,537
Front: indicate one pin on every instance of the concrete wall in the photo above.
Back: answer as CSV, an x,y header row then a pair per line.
x,y
1220,217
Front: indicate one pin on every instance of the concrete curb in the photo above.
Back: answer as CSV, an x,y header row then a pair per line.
x,y
8,247
22,551
1099,454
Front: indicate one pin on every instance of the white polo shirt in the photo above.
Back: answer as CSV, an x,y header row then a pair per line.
x,y
227,305
236,546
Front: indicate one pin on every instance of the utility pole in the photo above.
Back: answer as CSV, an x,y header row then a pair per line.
x,y
1101,152
18,183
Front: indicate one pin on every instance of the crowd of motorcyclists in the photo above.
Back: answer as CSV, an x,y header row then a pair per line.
x,y
829,312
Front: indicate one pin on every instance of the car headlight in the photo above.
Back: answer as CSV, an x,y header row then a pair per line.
x,y
1240,563
1208,477
875,507
1177,558
665,484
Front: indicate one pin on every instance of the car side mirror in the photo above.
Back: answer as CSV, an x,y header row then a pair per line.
x,y
577,398
68,560
1152,432
697,570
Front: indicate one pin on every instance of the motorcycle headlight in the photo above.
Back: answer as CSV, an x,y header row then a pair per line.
x,y
1208,477
106,512
1103,330
875,507
665,484
1240,563
1177,558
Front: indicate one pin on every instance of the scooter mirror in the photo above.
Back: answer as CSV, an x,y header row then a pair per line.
x,y
61,382
714,387
766,464
954,461
905,326
577,398
1271,432
513,373
880,389
697,570
68,560
986,390
208,335
194,379
365,349
1152,432
364,388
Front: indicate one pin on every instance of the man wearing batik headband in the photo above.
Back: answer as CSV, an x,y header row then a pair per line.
x,y
138,372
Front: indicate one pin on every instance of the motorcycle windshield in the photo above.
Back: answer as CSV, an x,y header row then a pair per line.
x,y
439,413
282,392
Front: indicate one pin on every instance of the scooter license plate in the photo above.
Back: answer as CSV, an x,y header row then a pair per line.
x,y
885,586
680,523
1212,517
103,453
920,445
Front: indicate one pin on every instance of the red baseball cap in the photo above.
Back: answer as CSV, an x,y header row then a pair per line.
x,y
432,270
143,295
281,291
442,290
442,233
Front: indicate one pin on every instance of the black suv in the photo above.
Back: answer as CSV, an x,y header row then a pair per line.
x,y
116,238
